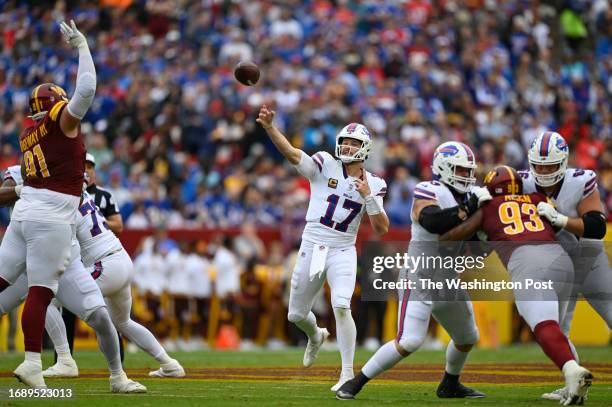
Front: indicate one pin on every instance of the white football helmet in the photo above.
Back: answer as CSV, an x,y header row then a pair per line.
x,y
447,157
355,131
549,148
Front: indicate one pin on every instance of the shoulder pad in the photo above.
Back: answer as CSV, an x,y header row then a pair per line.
x,y
56,109
427,190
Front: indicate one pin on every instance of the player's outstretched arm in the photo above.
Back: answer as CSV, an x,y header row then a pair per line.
x,y
465,229
85,82
265,119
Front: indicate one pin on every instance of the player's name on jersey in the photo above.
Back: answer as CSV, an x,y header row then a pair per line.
x,y
457,284
518,198
33,138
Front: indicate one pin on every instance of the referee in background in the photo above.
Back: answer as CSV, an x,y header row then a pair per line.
x,y
103,198
109,208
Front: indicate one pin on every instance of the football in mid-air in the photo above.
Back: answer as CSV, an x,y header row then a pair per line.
x,y
247,73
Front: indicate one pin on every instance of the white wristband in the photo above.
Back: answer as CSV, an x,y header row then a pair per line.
x,y
18,190
372,207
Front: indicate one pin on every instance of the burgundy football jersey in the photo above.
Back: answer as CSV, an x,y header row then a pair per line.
x,y
514,218
53,161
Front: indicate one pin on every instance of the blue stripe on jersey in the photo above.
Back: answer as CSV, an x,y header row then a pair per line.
x,y
588,190
317,160
424,192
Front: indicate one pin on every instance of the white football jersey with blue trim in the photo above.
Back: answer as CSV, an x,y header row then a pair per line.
x,y
335,208
94,235
576,185
436,191
13,173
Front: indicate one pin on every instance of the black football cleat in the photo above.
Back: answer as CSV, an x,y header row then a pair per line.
x,y
449,390
349,390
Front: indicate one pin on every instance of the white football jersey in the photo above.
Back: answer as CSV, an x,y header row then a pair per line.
x,y
431,190
13,173
335,208
575,186
94,235
40,205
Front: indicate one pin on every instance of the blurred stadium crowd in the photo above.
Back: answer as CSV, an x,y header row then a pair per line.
x,y
174,134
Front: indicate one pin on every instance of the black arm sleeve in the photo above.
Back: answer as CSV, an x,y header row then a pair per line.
x,y
594,225
438,221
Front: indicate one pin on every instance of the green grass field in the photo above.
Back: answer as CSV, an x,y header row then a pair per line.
x,y
514,376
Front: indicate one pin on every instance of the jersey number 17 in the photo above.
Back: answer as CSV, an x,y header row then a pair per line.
x,y
327,220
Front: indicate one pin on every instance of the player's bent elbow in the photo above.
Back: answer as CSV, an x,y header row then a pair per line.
x,y
294,157
292,160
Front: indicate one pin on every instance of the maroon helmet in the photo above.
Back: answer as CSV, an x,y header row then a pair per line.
x,y
504,180
43,97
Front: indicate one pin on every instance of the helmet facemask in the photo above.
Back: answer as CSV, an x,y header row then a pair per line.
x,y
462,184
351,153
548,180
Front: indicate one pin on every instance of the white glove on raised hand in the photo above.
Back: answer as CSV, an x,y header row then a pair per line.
x,y
549,212
482,193
73,36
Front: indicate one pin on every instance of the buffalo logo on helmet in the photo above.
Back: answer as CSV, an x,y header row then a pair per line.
x,y
351,128
503,180
561,144
448,151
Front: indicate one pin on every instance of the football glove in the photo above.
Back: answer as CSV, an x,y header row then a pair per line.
x,y
73,36
549,212
477,197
